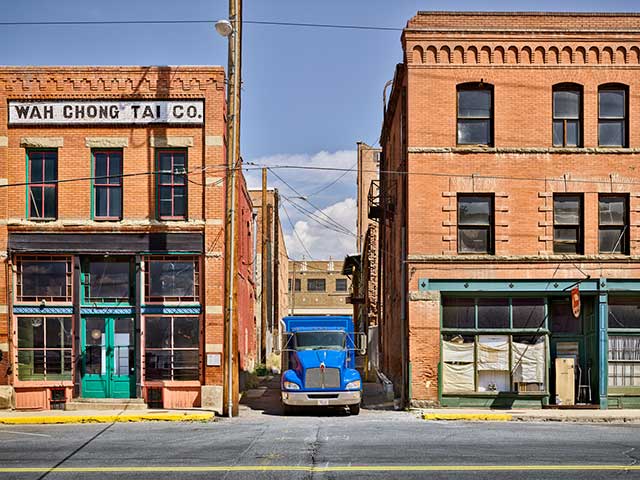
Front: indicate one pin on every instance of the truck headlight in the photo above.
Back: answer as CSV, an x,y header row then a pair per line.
x,y
291,386
355,385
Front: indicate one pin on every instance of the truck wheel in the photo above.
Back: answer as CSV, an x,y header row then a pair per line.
x,y
354,409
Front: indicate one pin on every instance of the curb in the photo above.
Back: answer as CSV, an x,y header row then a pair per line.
x,y
144,417
469,417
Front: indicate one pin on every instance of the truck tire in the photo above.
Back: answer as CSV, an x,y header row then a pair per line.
x,y
354,409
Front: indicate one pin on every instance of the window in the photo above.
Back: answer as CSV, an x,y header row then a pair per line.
x,y
612,116
44,348
458,313
475,114
493,313
298,285
43,278
316,285
172,184
172,279
475,224
624,312
562,318
624,361
341,284
42,183
108,281
107,185
567,224
613,215
528,312
172,348
567,115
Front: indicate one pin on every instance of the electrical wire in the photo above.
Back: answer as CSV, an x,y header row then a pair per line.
x,y
293,228
336,180
317,219
191,22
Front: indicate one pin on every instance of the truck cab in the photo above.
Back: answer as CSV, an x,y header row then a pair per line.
x,y
318,362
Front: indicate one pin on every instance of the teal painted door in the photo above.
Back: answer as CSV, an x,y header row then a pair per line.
x,y
108,349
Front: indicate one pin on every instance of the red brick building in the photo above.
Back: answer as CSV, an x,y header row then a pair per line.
x,y
509,178
112,236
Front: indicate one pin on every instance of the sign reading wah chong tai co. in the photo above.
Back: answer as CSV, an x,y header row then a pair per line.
x,y
139,112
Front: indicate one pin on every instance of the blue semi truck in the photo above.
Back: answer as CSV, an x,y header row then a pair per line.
x,y
319,364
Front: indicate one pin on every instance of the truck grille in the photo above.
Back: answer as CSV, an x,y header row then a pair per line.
x,y
316,379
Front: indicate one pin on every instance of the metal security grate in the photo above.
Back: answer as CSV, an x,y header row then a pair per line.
x,y
154,398
58,399
315,378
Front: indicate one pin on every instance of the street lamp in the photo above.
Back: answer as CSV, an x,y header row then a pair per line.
x,y
233,32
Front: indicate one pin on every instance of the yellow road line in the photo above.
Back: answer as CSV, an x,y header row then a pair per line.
x,y
129,417
302,468
491,417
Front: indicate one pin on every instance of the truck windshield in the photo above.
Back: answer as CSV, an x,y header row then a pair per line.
x,y
320,341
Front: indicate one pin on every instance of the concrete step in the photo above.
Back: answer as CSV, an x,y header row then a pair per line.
x,y
106,404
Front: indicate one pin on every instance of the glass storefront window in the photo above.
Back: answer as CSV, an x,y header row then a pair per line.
x,y
43,278
108,281
624,312
172,348
44,348
458,313
172,279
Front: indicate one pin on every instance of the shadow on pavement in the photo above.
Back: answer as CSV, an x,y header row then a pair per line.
x,y
265,399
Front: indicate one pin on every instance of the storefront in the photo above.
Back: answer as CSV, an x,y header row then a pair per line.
x,y
124,324
500,342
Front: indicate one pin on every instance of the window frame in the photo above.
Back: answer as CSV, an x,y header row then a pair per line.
x,y
346,285
19,282
43,185
314,290
568,87
195,298
475,86
625,118
490,227
109,186
172,348
625,239
65,351
580,227
173,185
86,281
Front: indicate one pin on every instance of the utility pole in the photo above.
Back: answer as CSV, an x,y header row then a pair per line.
x,y
233,163
263,274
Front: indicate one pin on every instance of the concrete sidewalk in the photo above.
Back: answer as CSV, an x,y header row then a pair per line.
x,y
534,415
102,416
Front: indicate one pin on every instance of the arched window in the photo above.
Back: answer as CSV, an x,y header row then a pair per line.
x,y
475,114
613,128
567,115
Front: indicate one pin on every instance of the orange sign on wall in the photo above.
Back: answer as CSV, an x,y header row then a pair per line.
x,y
575,301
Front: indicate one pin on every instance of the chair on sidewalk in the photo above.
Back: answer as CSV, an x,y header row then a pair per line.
x,y
584,389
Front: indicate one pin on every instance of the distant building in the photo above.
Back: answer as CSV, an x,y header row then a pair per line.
x,y
318,287
113,237
275,287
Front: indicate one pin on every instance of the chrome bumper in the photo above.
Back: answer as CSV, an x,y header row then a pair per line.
x,y
315,399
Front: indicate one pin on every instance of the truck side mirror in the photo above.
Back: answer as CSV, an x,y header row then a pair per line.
x,y
361,345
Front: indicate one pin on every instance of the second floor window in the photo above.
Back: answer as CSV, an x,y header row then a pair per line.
x,y
107,185
475,114
42,182
475,224
172,184
567,224
567,116
316,285
341,284
172,279
613,220
612,116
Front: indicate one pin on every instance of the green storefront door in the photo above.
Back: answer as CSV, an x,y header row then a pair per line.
x,y
108,353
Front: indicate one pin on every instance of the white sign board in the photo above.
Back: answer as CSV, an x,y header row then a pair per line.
x,y
73,112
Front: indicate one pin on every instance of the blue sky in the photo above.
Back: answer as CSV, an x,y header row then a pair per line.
x,y
309,94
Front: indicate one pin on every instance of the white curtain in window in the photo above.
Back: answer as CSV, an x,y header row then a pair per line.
x,y
457,352
458,378
528,362
493,352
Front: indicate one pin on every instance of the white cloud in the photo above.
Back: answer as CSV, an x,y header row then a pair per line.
x,y
328,191
322,242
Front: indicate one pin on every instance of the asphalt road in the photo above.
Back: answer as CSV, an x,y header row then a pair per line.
x,y
263,444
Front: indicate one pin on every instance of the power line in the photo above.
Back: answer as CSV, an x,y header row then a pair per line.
x,y
293,228
343,230
336,180
192,22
